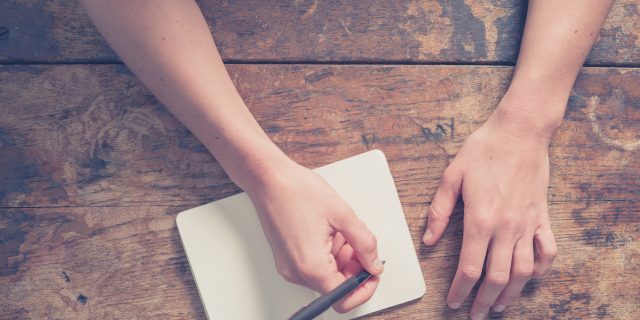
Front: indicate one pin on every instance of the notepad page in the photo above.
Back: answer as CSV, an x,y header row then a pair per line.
x,y
234,269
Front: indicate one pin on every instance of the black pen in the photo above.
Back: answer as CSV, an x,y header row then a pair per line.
x,y
324,302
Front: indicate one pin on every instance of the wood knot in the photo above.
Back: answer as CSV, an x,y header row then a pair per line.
x,y
82,299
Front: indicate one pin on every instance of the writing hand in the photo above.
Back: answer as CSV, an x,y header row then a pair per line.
x,y
316,238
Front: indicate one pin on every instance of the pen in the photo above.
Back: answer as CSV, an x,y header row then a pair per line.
x,y
324,302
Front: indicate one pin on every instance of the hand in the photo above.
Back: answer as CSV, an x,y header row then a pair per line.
x,y
316,238
503,176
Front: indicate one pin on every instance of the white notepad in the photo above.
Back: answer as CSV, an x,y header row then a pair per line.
x,y
235,272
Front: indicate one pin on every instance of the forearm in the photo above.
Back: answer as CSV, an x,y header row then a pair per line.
x,y
168,45
557,38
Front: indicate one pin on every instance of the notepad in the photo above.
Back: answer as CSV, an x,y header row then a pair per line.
x,y
234,269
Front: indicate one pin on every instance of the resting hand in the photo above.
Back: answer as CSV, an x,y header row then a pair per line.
x,y
503,176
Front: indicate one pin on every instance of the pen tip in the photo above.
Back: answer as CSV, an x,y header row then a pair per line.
x,y
384,261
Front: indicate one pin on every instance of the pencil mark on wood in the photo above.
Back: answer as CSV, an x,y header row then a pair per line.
x,y
368,140
318,75
66,277
439,132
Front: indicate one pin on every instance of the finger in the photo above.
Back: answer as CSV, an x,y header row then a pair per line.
x,y
496,277
321,276
521,271
344,257
338,243
352,268
360,295
326,278
442,205
362,241
546,250
472,254
325,282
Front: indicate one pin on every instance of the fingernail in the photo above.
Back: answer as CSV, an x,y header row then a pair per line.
x,y
454,305
477,316
377,264
427,235
499,308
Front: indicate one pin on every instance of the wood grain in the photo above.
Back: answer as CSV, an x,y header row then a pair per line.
x,y
93,136
128,263
453,31
93,170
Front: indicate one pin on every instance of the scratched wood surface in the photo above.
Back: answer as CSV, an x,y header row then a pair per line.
x,y
94,171
313,30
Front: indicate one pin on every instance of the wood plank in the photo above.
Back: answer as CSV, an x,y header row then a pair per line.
x,y
109,168
104,263
94,263
93,136
453,31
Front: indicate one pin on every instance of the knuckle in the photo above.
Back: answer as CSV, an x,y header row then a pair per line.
x,y
551,252
436,213
498,278
306,269
482,226
286,273
523,272
370,243
510,226
470,272
348,213
345,216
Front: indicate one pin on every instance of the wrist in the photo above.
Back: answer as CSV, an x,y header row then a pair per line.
x,y
529,116
261,167
544,84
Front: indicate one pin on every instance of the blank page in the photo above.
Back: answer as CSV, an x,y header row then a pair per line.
x,y
234,269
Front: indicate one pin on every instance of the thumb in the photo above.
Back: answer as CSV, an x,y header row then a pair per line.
x,y
442,205
362,240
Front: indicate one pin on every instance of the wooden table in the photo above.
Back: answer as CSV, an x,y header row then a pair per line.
x,y
93,169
